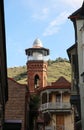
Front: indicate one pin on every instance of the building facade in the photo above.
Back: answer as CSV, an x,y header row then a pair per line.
x,y
75,92
77,62
17,107
55,106
55,112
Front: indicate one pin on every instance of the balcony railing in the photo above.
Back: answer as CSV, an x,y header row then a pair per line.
x,y
55,106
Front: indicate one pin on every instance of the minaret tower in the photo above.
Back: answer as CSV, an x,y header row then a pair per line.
x,y
37,66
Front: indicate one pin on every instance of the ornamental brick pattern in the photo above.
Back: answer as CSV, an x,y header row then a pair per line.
x,y
36,68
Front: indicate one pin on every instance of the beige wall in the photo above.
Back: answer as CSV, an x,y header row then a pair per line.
x,y
69,121
68,116
65,97
53,97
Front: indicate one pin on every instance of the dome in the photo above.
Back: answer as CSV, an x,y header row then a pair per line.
x,y
37,43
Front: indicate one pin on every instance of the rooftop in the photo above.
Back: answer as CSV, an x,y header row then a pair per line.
x,y
37,43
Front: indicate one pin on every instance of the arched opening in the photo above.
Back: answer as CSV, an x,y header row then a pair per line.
x,y
36,81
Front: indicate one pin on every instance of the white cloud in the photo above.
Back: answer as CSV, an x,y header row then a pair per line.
x,y
45,9
50,30
73,3
43,14
54,25
35,4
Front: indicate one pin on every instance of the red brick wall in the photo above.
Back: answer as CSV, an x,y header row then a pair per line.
x,y
15,106
39,68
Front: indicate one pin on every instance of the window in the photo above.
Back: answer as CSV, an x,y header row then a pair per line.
x,y
58,98
36,81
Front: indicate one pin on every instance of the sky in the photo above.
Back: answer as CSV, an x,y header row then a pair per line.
x,y
26,20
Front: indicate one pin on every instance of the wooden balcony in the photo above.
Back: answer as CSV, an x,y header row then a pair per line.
x,y
57,106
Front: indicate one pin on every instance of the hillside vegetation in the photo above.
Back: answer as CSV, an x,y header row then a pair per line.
x,y
57,68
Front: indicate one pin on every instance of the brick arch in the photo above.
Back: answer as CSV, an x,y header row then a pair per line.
x,y
36,80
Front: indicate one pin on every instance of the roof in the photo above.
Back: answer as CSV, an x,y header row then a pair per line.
x,y
78,13
37,43
37,47
73,47
61,83
11,79
30,51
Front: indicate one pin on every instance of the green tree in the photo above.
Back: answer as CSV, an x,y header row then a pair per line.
x,y
49,62
59,59
33,114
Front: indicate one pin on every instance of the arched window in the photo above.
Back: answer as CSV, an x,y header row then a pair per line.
x,y
36,81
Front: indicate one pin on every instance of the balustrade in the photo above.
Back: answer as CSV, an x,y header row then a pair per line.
x,y
56,105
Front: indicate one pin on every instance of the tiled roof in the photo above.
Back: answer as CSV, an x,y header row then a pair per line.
x,y
61,83
16,82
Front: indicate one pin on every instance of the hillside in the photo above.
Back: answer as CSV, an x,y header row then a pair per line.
x,y
55,70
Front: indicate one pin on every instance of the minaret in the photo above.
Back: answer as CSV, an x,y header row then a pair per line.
x,y
37,66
